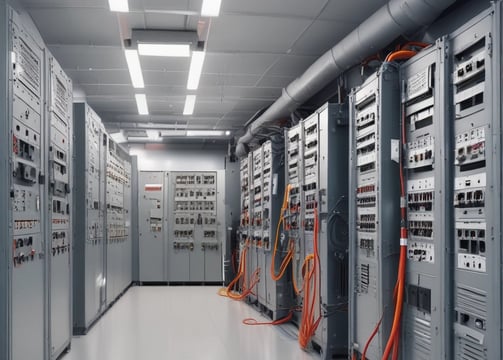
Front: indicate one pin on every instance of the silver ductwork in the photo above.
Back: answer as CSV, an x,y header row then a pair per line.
x,y
395,18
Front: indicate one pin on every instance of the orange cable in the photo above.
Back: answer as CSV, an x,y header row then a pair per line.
x,y
289,255
394,338
253,322
400,55
308,324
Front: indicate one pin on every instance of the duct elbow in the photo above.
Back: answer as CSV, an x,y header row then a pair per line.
x,y
241,149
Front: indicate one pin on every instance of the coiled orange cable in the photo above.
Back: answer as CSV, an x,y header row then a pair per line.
x,y
291,245
308,323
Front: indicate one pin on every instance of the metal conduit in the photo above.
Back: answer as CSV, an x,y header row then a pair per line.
x,y
391,20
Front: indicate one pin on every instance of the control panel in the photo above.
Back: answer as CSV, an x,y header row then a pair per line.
x,y
60,207
28,179
194,236
476,202
373,209
428,283
294,174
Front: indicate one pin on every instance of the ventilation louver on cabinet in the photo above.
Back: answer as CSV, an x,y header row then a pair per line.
x,y
471,351
472,301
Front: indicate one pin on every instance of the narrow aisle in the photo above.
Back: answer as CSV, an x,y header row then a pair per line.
x,y
152,323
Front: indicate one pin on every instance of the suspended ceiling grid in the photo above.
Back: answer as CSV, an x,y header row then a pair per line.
x,y
254,49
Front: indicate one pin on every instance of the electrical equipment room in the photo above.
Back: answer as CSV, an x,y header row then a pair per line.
x,y
251,179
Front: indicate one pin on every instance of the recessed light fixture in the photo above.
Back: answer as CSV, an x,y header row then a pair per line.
x,y
227,133
203,133
119,5
211,7
133,63
190,102
141,103
196,67
175,50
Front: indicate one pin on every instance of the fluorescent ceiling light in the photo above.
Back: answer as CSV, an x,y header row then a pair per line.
x,y
119,137
153,135
227,133
133,63
196,67
190,102
205,133
179,50
141,103
210,8
119,5
173,133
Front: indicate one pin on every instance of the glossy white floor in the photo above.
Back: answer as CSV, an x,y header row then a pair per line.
x,y
153,323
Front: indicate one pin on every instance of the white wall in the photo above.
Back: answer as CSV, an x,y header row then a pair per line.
x,y
160,157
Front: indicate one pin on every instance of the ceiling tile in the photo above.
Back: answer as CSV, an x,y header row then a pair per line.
x,y
275,81
321,36
82,26
171,78
297,8
100,104
166,90
99,76
251,63
162,63
113,91
354,11
222,80
236,92
89,57
253,33
291,65
251,105
135,20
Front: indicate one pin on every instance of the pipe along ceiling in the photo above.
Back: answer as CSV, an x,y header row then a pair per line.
x,y
393,19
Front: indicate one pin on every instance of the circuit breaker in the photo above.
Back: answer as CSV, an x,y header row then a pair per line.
x,y
374,216
89,217
476,143
426,313
60,205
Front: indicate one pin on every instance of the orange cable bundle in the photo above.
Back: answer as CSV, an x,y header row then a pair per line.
x,y
394,338
241,276
308,324
289,255
400,55
253,322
